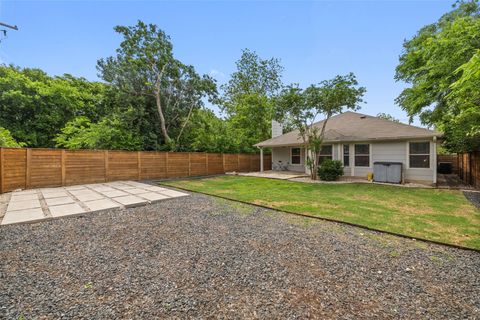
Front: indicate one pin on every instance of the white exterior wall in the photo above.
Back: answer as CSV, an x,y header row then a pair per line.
x,y
379,151
393,152
284,154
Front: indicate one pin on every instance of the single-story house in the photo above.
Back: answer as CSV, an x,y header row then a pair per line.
x,y
359,141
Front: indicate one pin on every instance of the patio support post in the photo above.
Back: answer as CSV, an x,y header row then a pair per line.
x,y
261,159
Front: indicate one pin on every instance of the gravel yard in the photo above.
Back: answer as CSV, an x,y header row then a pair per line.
x,y
202,257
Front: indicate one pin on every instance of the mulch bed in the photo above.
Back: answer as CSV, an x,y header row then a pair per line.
x,y
204,257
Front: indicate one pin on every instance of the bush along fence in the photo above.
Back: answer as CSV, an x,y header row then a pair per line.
x,y
25,168
469,168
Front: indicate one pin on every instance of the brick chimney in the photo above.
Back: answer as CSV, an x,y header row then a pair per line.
x,y
277,129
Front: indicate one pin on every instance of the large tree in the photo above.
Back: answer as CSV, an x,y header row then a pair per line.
x,y
304,106
35,106
144,65
441,63
247,98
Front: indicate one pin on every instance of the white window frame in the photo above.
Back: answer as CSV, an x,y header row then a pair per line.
x,y
369,155
319,154
423,154
291,156
343,154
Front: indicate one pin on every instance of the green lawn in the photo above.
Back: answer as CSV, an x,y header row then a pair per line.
x,y
441,215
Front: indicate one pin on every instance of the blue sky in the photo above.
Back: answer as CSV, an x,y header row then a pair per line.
x,y
314,40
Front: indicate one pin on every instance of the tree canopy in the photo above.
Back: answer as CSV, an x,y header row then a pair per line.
x,y
441,63
144,65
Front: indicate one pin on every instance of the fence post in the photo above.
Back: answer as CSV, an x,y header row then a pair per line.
x,y
223,162
64,178
139,166
2,180
189,165
105,158
27,167
166,164
206,161
238,162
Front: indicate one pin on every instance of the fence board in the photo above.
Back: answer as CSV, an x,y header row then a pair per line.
x,y
469,168
451,158
30,168
198,165
44,168
153,165
122,165
215,163
177,165
84,167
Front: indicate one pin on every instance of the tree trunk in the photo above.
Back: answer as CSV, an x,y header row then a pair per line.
x,y
162,118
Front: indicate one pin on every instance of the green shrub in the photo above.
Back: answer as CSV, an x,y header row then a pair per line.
x,y
330,170
6,140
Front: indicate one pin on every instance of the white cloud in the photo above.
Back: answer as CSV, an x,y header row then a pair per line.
x,y
216,74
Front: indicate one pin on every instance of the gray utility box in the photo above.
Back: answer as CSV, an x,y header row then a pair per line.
x,y
387,172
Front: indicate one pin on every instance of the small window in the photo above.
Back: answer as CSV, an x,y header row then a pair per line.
x,y
346,155
362,155
325,153
296,155
419,154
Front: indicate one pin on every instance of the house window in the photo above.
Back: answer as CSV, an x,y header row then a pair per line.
x,y
362,155
296,155
419,154
346,155
325,153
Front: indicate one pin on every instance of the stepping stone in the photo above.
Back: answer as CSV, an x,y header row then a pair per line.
x,y
71,188
136,191
155,188
23,197
23,216
102,188
116,184
21,205
173,193
114,193
77,193
66,210
24,192
57,201
153,197
57,194
89,197
131,201
103,204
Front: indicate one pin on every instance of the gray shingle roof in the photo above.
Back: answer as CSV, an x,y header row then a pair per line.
x,y
353,126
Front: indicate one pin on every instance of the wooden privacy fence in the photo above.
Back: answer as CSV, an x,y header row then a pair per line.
x,y
469,168
451,158
24,168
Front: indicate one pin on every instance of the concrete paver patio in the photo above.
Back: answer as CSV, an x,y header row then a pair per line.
x,y
46,203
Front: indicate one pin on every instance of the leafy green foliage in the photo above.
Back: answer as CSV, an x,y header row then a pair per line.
x,y
330,170
144,65
387,116
442,65
34,106
80,133
248,99
6,139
